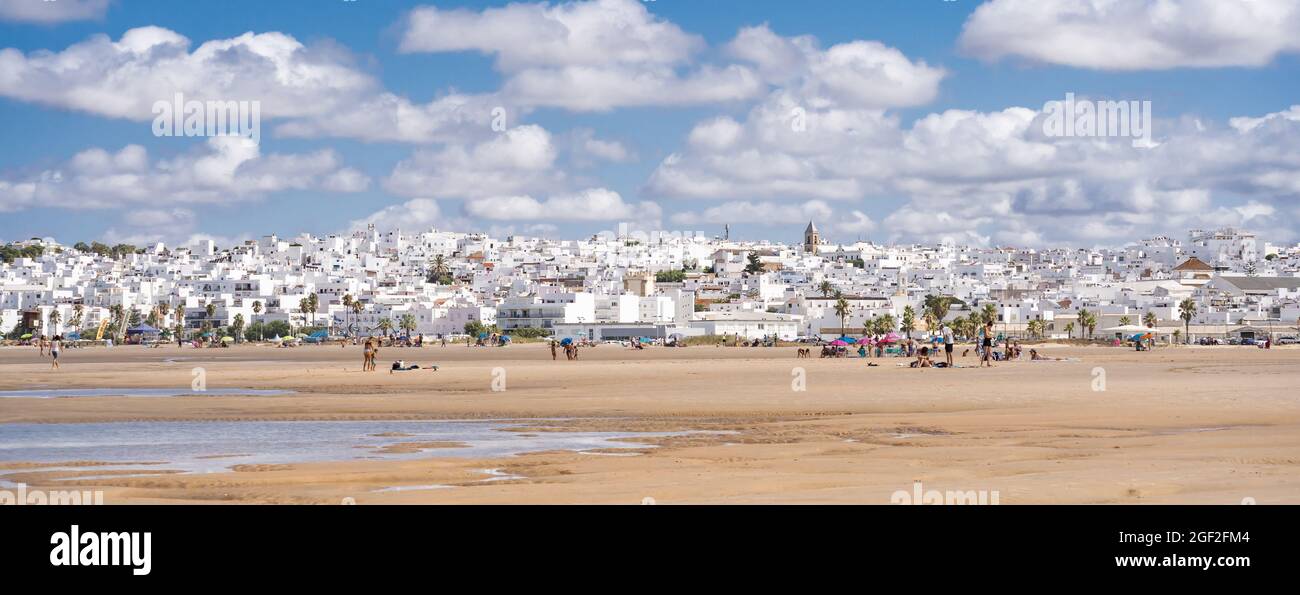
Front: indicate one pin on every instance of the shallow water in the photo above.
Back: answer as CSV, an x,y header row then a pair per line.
x,y
136,392
188,445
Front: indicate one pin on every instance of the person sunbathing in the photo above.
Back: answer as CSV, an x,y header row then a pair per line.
x,y
402,366
1033,356
923,359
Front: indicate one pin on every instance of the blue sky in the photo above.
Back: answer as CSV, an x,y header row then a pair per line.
x,y
912,137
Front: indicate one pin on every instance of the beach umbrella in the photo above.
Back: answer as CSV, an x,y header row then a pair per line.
x,y
26,336
277,338
566,341
227,339
866,341
839,343
506,339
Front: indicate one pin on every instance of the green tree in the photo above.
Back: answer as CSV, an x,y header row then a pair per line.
x,y
237,326
842,310
313,304
407,324
1187,311
989,313
304,305
937,305
1149,319
1087,321
826,288
674,276
754,264
439,271
909,320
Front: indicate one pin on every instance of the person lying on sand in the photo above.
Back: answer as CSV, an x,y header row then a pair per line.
x,y
401,366
1033,356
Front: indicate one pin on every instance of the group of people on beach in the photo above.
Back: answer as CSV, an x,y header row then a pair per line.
x,y
369,353
53,346
570,351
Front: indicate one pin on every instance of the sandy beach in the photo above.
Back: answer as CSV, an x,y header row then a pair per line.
x,y
1178,425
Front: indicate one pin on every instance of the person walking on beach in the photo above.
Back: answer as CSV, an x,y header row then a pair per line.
x,y
986,356
553,351
54,351
40,342
368,355
947,344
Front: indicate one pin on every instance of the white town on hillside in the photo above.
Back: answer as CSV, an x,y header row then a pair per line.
x,y
611,287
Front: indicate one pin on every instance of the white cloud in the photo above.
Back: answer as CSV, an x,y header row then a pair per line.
x,y
1134,34
386,117
857,74
224,169
761,213
123,78
524,36
46,13
996,176
593,204
586,148
518,160
583,56
414,214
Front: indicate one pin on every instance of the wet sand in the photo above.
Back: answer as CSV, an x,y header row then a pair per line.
x,y
1178,425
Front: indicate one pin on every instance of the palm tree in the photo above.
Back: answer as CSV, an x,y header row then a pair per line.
x,y
54,320
989,313
841,310
1069,330
238,326
313,302
888,322
1187,311
117,315
826,288
959,324
211,310
1087,321
347,308
931,322
438,270
78,314
1125,321
407,324
1035,328
303,306
386,325
1149,319
937,305
909,320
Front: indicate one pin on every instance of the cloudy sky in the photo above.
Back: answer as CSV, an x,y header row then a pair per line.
x,y
882,120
